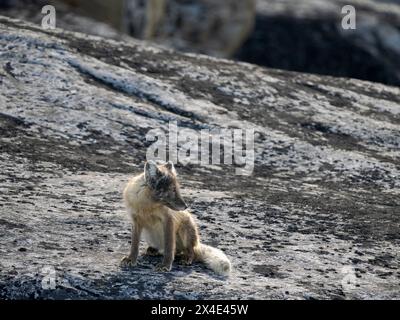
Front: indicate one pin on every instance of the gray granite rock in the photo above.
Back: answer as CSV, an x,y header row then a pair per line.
x,y
317,219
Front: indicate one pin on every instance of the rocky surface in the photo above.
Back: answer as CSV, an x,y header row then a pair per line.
x,y
306,36
318,219
298,35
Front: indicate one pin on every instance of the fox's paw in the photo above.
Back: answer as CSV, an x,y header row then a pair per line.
x,y
127,262
163,268
187,261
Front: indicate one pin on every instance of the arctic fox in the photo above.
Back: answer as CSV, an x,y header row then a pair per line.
x,y
158,212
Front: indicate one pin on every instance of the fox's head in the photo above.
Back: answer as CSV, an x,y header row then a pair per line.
x,y
164,185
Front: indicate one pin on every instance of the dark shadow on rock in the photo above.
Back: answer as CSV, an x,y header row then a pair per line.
x,y
315,46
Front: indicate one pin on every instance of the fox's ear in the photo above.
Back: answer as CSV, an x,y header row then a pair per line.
x,y
151,171
170,166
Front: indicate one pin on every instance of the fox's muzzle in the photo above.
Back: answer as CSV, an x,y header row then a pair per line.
x,y
179,205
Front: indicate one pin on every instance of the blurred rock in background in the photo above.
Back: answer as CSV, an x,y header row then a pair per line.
x,y
110,12
216,28
212,27
299,35
306,36
70,16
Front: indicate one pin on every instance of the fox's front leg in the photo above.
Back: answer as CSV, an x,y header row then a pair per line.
x,y
130,260
169,245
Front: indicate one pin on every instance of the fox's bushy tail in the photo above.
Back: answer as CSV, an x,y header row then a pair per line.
x,y
213,258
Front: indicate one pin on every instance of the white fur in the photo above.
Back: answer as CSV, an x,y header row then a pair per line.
x,y
213,258
154,238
